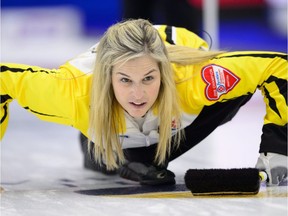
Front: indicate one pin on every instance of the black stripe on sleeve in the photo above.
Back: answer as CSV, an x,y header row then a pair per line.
x,y
4,98
21,70
43,114
281,84
5,113
261,55
168,32
272,102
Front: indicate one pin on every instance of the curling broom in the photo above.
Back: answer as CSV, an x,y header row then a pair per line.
x,y
245,181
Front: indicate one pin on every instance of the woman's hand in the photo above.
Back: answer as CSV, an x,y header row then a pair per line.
x,y
275,165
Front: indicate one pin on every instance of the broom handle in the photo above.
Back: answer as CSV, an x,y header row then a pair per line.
x,y
263,176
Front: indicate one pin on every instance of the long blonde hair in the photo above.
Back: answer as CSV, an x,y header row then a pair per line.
x,y
122,42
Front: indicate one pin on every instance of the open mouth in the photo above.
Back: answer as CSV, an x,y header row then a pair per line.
x,y
139,105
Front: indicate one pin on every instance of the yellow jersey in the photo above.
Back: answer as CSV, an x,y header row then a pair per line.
x,y
211,93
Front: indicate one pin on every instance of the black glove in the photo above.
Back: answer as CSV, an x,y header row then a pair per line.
x,y
147,174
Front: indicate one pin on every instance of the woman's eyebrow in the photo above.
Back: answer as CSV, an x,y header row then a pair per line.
x,y
123,74
151,71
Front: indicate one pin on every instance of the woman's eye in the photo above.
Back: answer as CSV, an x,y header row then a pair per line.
x,y
148,78
125,80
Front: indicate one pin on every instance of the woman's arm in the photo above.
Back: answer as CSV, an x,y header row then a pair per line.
x,y
48,94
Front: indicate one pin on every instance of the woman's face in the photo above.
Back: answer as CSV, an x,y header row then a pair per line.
x,y
136,84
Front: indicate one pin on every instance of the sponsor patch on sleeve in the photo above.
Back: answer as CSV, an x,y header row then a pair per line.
x,y
219,81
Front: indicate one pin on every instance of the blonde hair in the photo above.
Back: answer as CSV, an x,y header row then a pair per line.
x,y
122,42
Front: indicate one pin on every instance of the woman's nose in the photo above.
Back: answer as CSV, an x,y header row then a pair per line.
x,y
138,91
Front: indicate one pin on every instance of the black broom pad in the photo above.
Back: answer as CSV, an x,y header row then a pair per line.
x,y
223,181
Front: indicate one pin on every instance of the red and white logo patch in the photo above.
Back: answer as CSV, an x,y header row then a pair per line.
x,y
219,81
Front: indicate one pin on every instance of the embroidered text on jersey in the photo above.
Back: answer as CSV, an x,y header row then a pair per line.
x,y
219,81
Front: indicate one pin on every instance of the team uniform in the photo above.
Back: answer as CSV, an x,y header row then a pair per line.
x,y
211,93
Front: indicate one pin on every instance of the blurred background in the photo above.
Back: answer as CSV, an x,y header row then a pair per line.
x,y
49,32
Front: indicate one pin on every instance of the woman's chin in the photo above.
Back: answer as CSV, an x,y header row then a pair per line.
x,y
138,113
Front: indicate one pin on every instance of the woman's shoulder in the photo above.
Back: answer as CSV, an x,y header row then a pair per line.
x,y
181,36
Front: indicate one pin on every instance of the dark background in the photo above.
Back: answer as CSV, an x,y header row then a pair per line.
x,y
244,24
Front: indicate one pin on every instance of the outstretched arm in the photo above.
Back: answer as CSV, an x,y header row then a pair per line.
x,y
45,93
224,84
